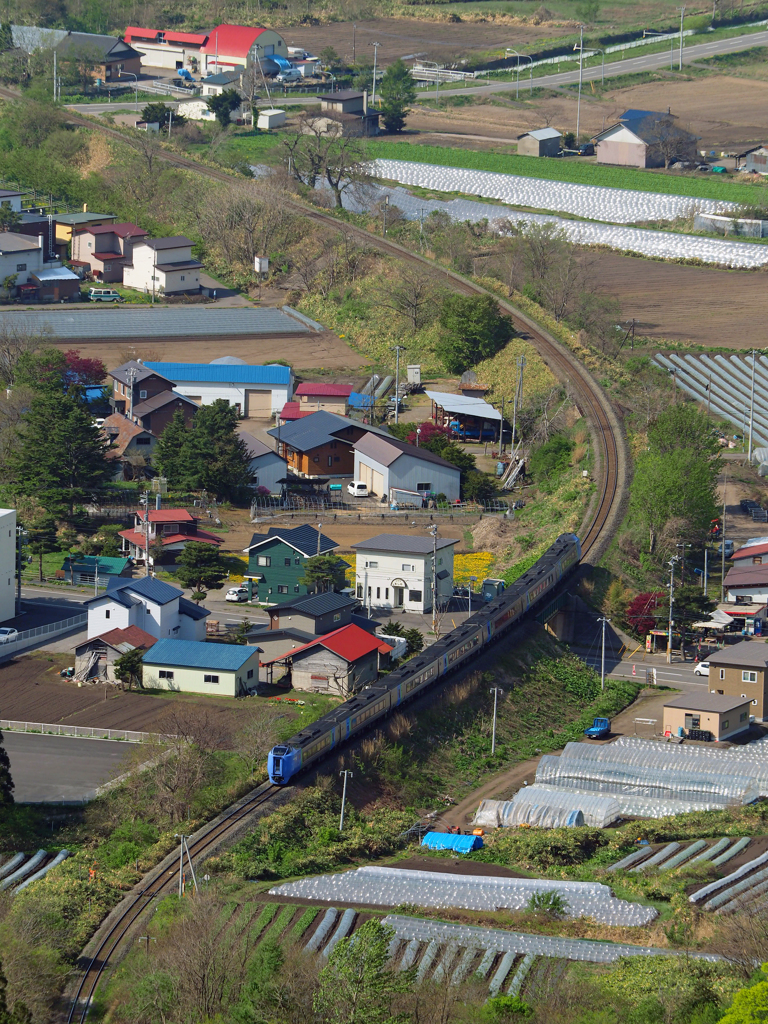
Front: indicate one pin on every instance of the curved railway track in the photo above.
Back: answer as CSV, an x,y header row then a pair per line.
x,y
609,448
164,883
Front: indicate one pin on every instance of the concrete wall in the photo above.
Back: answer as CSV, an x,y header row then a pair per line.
x,y
731,225
722,726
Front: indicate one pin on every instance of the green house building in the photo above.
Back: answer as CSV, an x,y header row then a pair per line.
x,y
277,559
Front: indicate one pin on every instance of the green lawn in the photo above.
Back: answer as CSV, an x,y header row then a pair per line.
x,y
573,171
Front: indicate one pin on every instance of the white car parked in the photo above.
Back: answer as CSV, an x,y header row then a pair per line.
x,y
702,669
358,489
8,634
237,594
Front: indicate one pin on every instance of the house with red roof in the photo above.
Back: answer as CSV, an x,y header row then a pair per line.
x,y
340,663
95,658
173,528
105,249
314,397
228,45
166,48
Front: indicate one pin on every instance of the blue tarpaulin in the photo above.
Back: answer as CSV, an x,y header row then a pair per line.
x,y
449,841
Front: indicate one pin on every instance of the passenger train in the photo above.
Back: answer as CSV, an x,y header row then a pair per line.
x,y
373,702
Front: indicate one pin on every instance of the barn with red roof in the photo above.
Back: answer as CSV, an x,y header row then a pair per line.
x,y
231,45
340,662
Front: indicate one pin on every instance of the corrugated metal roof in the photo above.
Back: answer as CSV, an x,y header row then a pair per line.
x,y
316,604
542,133
157,322
715,702
149,587
198,654
395,543
302,538
463,405
332,390
55,274
349,642
748,653
386,450
217,374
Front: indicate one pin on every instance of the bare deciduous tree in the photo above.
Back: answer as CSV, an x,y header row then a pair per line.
x,y
256,736
411,295
318,150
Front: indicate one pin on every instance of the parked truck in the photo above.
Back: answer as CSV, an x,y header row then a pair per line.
x,y
599,730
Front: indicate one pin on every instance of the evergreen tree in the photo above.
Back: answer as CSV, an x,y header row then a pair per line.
x,y
6,798
473,329
397,90
169,454
60,459
42,539
323,572
223,105
215,457
129,667
201,568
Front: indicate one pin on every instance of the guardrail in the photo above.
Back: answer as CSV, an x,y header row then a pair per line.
x,y
25,638
328,505
87,732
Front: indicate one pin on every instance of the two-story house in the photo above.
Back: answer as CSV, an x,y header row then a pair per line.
x,y
277,561
105,249
395,573
316,614
174,528
346,113
268,470
134,383
163,266
742,671
321,444
155,607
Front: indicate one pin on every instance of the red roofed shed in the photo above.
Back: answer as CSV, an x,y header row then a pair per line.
x,y
340,662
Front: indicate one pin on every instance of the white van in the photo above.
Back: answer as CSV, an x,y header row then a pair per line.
x,y
358,489
289,75
104,295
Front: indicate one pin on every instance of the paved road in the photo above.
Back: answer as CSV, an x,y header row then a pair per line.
x,y
52,769
631,65
676,674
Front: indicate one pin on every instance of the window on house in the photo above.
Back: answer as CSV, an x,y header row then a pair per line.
x,y
181,278
142,394
372,565
757,560
315,458
414,595
754,702
330,460
336,458
297,560
692,721
282,589
424,487
359,590
337,617
378,593
107,266
439,561
386,593
270,590
725,725
20,267
722,673
249,674
287,561
296,588
165,674
743,716
332,444
406,567
264,560
749,677
143,440
210,679
107,613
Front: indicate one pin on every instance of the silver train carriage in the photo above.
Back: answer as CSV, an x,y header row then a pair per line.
x,y
373,702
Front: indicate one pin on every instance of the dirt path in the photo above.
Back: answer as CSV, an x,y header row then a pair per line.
x,y
504,786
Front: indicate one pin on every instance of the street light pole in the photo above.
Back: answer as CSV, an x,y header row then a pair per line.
x,y
472,579
682,15
398,349
581,76
347,774
495,690
319,535
433,531
375,55
671,606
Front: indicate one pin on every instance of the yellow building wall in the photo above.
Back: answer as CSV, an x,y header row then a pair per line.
x,y
191,680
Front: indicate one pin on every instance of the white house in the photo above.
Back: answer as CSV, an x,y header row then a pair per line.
x,y
164,48
163,266
7,563
156,607
267,467
257,392
11,199
197,110
22,255
222,670
396,469
395,573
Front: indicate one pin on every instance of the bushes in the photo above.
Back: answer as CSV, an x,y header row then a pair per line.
x,y
552,459
533,848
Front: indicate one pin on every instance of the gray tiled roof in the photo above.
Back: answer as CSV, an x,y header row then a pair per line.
x,y
302,538
387,450
318,604
408,545
749,653
319,428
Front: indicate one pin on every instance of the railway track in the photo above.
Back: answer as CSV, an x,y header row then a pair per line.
x,y
164,883
609,449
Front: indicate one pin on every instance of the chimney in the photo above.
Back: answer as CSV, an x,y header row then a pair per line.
x,y
365,101
157,502
41,243
85,207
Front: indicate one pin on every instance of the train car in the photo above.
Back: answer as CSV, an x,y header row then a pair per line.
x,y
372,703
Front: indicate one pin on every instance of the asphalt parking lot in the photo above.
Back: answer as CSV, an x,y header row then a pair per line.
x,y
56,769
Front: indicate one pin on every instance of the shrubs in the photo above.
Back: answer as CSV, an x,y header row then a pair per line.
x,y
539,849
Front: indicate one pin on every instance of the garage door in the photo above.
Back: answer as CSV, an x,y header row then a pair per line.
x,y
366,474
376,486
258,405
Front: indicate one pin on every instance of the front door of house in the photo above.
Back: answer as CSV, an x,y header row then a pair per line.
x,y
398,596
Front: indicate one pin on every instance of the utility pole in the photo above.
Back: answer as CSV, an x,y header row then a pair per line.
x,y
472,580
183,847
671,606
682,15
20,533
354,43
385,207
752,405
319,535
132,373
433,531
501,430
145,496
722,543
495,690
602,654
375,55
706,552
398,349
581,75
347,774
55,97
709,394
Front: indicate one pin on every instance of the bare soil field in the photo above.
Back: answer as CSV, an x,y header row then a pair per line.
x,y
324,350
697,304
724,110
32,691
432,39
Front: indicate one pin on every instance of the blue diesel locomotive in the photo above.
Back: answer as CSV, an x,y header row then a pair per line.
x,y
451,651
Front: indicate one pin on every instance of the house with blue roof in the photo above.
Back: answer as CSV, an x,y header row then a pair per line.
x,y
187,666
156,607
256,391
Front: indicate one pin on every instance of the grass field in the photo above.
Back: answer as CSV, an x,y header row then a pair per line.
x,y
564,170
